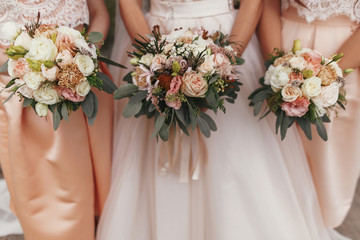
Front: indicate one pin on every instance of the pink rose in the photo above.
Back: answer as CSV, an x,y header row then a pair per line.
x,y
176,84
69,94
18,68
313,60
194,85
297,108
64,58
65,42
172,100
49,73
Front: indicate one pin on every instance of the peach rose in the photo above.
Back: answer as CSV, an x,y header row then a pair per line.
x,y
64,58
313,60
297,108
194,85
68,94
290,93
49,73
65,42
18,68
157,62
208,65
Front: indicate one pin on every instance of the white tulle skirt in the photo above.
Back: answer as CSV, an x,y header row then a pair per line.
x,y
253,187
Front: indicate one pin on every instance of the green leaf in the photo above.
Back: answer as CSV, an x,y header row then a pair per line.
x,y
193,117
91,119
211,98
160,120
321,129
341,105
305,125
209,121
56,119
260,96
27,102
8,98
128,77
88,104
9,84
239,61
64,111
125,90
284,126
214,78
279,119
95,37
325,118
4,67
182,126
108,85
257,91
138,97
181,115
164,132
204,127
131,109
257,108
109,61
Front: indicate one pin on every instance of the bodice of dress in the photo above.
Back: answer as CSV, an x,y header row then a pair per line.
x,y
323,9
69,13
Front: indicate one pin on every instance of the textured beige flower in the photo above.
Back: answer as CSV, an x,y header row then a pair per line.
x,y
70,76
327,75
282,60
139,78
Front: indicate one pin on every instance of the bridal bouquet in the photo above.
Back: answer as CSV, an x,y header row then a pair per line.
x,y
178,76
301,86
54,68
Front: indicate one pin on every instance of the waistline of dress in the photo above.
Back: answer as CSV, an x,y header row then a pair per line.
x,y
197,9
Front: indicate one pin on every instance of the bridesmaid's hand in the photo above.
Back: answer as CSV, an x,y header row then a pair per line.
x,y
99,17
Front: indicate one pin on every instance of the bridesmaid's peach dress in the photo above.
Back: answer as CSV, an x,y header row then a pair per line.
x,y
58,181
335,164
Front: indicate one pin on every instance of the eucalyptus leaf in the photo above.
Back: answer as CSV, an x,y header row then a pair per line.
x,y
284,126
257,108
131,109
230,100
108,85
182,126
181,115
160,120
138,97
4,67
56,119
212,99
260,96
95,37
27,102
305,125
279,119
193,117
204,127
91,119
128,77
265,114
64,112
125,90
88,104
164,132
321,129
109,61
209,121
325,118
214,78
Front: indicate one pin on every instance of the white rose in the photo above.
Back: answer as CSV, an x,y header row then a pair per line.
x,y
208,65
47,95
268,74
42,49
146,59
85,64
290,93
23,40
33,79
9,31
24,90
298,62
201,45
219,59
85,48
275,89
69,31
280,76
41,109
83,88
174,35
329,95
49,73
320,110
312,87
338,70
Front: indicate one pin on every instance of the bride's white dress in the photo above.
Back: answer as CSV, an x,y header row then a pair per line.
x,y
253,187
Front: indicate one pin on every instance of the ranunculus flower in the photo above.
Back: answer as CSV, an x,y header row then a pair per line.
x,y
194,85
208,65
64,58
297,62
313,61
157,62
68,94
17,68
83,88
46,94
311,87
176,83
219,59
49,73
65,42
23,40
42,49
146,59
33,79
85,64
290,93
41,109
329,95
297,108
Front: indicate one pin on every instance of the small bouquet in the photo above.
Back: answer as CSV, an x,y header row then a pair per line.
x,y
301,86
178,76
55,68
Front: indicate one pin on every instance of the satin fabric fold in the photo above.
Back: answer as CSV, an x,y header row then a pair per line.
x,y
335,164
58,181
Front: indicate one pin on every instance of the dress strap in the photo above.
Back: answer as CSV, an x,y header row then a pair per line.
x,y
196,9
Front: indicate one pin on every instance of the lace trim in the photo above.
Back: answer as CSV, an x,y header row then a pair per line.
x,y
324,9
70,13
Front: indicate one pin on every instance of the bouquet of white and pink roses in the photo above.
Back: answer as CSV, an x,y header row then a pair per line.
x,y
55,68
178,76
301,86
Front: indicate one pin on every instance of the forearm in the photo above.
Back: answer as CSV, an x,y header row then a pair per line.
x,y
351,50
245,23
269,29
99,17
133,18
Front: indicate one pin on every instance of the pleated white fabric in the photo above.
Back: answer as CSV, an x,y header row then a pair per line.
x,y
253,187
